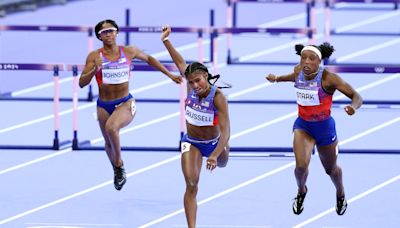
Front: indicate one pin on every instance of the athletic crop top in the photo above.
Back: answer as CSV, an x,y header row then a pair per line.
x,y
114,72
201,113
313,101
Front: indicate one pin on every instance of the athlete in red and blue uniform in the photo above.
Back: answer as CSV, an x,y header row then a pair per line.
x,y
314,125
114,72
115,106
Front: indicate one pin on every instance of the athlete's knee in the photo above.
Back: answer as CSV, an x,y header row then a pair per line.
x,y
192,186
301,169
332,170
223,159
107,144
111,129
221,163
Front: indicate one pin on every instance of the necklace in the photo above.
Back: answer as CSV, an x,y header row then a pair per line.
x,y
312,75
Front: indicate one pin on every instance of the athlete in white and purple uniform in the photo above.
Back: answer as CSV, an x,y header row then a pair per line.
x,y
116,107
207,125
314,125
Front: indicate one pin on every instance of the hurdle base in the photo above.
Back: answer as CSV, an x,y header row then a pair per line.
x,y
369,151
26,147
288,151
57,145
87,147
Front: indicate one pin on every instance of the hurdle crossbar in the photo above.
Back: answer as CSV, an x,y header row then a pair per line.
x,y
137,66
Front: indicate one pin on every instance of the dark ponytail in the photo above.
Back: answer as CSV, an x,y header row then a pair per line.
x,y
326,49
196,66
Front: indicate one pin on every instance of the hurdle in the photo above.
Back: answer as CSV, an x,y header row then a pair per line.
x,y
49,28
232,28
55,68
329,5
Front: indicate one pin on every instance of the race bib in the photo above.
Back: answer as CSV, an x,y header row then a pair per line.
x,y
115,76
185,147
197,118
307,97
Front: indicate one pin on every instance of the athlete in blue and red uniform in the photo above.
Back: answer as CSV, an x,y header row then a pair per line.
x,y
314,125
207,125
116,107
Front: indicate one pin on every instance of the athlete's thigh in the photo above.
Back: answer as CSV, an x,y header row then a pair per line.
x,y
122,115
102,117
191,162
303,145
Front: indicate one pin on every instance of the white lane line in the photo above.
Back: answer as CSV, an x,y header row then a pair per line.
x,y
225,226
275,49
39,87
368,21
368,50
126,130
371,130
155,165
53,154
47,224
241,185
353,199
251,181
249,90
320,35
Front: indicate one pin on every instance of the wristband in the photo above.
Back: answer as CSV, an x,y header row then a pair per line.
x,y
165,39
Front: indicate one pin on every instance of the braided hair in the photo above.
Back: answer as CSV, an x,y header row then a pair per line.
x,y
199,67
325,48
